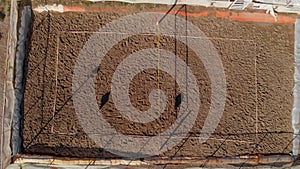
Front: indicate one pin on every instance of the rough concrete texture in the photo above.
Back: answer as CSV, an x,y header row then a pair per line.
x,y
258,63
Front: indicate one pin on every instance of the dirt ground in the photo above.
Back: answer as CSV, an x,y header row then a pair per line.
x,y
258,63
4,25
3,38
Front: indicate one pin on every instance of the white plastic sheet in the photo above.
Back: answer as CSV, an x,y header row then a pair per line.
x,y
9,88
296,108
